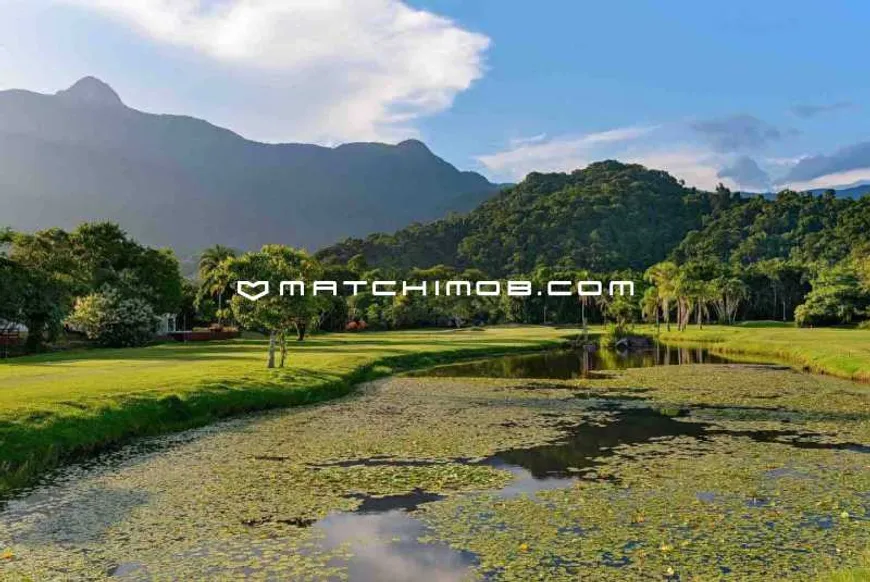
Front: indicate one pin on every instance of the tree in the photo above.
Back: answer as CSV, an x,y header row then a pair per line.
x,y
105,256
726,293
213,283
787,284
664,277
650,303
274,314
837,297
157,276
46,280
623,311
12,299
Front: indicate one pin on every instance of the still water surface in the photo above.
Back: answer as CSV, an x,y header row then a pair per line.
x,y
574,364
388,542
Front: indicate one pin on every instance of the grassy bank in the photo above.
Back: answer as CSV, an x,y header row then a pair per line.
x,y
844,353
852,575
60,406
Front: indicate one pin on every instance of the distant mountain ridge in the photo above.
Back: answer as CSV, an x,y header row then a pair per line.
x,y
82,154
846,191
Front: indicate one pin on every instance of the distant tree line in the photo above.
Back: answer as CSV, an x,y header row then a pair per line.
x,y
701,256
696,257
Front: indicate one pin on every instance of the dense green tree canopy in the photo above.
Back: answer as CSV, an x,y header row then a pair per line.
x,y
607,216
49,269
728,257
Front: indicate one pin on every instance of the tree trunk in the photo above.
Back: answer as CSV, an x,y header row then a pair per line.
x,y
271,362
774,301
300,332
35,331
283,345
666,311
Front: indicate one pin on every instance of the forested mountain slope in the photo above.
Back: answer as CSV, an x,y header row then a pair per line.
x,y
607,216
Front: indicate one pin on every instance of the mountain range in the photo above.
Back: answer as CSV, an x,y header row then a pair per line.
x,y
846,191
82,155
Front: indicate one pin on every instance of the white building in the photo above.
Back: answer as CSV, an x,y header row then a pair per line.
x,y
8,327
165,324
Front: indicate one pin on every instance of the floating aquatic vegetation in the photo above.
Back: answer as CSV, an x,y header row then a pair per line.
x,y
682,473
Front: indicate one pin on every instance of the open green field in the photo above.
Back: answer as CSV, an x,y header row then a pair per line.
x,y
68,404
844,353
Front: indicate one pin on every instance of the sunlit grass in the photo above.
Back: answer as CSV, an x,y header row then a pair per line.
x,y
839,352
861,574
65,404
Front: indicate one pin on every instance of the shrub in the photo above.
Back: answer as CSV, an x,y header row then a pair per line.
x,y
836,298
113,321
612,334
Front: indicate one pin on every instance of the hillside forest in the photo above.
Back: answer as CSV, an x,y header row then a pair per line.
x,y
697,257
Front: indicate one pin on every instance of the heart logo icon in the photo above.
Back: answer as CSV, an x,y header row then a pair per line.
x,y
242,285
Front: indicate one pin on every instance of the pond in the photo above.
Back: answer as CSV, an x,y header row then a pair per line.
x,y
576,363
665,472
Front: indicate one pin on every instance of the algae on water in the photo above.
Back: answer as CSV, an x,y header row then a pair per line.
x,y
691,472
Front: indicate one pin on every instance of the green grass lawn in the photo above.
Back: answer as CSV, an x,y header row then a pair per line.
x,y
62,405
839,352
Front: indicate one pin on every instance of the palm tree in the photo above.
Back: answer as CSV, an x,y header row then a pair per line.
x,y
584,303
212,283
706,294
649,307
664,277
211,258
727,294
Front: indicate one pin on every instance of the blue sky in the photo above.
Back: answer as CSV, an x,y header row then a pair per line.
x,y
756,94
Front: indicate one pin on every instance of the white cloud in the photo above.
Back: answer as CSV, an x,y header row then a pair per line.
x,y
697,167
555,155
835,180
645,145
347,69
520,141
786,163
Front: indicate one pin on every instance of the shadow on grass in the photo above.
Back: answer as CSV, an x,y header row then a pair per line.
x,y
31,445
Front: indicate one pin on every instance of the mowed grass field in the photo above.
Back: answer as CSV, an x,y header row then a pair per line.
x,y
844,353
63,405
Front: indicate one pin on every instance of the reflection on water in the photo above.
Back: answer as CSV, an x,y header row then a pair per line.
x,y
586,444
570,364
386,547
404,501
384,537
